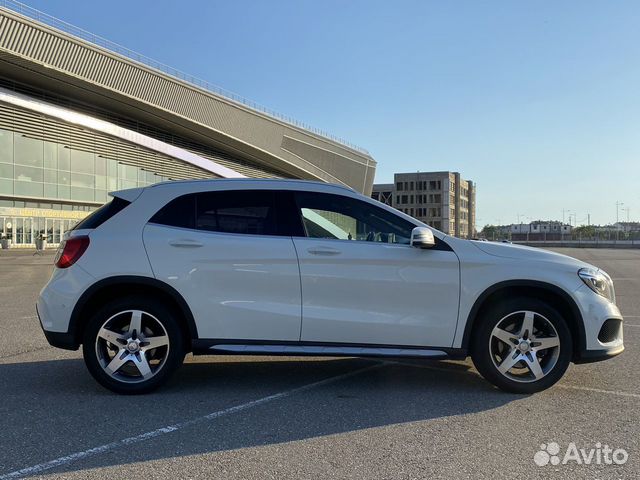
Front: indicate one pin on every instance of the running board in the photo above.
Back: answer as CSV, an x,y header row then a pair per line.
x,y
265,349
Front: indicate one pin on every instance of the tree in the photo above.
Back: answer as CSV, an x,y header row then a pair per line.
x,y
490,232
584,231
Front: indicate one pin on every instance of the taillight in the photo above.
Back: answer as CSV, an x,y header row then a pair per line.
x,y
71,250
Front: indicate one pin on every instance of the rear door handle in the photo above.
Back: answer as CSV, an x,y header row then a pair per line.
x,y
185,243
323,251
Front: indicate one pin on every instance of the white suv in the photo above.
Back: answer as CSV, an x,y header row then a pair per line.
x,y
283,267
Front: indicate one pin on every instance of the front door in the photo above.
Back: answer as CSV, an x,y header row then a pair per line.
x,y
361,281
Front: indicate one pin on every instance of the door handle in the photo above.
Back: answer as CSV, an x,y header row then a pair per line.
x,y
185,243
323,251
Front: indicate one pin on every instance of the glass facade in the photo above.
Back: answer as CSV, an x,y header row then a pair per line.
x,y
40,169
38,176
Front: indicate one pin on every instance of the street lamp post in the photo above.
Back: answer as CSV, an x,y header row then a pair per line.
x,y
618,205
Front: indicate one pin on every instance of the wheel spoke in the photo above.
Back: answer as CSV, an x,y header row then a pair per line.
x,y
507,337
527,325
155,342
118,361
508,363
112,337
546,342
136,322
534,365
141,363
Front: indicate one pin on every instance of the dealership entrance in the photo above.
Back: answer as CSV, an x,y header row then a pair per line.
x,y
23,226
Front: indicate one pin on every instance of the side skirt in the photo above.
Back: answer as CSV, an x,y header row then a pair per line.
x,y
252,347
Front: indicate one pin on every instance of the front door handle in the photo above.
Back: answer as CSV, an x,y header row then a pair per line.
x,y
185,243
323,251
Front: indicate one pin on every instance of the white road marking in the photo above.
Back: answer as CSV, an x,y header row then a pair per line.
x,y
26,318
472,372
630,325
599,390
67,459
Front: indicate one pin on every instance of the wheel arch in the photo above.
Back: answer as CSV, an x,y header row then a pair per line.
x,y
98,293
553,294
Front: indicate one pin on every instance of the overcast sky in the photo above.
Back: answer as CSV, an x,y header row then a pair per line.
x,y
536,101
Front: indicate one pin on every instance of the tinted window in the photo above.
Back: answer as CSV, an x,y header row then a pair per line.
x,y
334,216
249,212
103,214
179,212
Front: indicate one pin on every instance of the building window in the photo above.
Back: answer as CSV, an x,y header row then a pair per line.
x,y
34,168
399,186
405,199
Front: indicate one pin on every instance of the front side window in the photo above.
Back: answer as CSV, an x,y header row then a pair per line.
x,y
344,218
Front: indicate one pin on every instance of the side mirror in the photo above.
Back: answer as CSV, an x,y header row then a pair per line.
x,y
422,237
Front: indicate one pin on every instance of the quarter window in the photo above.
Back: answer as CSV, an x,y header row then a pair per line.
x,y
344,218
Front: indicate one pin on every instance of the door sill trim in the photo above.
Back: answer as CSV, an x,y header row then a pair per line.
x,y
296,349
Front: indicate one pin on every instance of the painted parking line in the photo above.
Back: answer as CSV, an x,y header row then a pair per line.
x,y
73,457
560,385
598,390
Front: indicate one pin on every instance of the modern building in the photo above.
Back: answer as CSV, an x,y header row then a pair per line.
x,y
443,200
81,116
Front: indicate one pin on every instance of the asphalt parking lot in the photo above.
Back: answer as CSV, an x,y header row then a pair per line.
x,y
266,417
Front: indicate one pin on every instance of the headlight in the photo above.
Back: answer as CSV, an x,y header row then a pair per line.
x,y
599,282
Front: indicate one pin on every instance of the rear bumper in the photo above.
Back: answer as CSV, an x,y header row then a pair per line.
x,y
64,340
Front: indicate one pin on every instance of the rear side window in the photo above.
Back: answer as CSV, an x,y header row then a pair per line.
x,y
245,212
249,212
180,212
103,214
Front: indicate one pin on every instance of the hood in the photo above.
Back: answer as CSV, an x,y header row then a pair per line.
x,y
509,250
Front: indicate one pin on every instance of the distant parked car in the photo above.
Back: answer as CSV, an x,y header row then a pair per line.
x,y
283,267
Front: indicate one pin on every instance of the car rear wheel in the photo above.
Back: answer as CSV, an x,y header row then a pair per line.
x,y
132,345
522,345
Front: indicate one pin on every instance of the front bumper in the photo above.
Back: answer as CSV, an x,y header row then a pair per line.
x,y
590,356
600,341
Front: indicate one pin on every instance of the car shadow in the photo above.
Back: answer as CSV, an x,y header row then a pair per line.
x,y
52,409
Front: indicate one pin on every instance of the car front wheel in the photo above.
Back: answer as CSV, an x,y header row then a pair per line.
x,y
522,345
132,345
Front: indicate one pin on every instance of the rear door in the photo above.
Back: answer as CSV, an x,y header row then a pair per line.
x,y
225,253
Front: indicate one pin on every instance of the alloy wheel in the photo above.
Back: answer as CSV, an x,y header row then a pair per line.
x,y
524,346
132,346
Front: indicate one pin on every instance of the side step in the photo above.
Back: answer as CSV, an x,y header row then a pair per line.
x,y
321,350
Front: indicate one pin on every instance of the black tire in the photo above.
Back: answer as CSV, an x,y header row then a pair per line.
x,y
153,310
483,350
